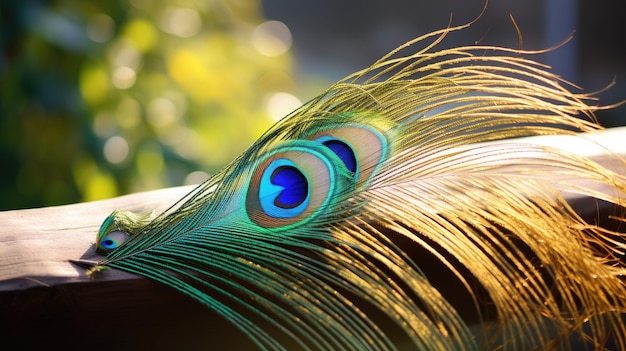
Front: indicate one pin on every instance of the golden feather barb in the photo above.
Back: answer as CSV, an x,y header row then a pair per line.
x,y
428,210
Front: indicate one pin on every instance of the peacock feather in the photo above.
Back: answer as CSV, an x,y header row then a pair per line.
x,y
315,237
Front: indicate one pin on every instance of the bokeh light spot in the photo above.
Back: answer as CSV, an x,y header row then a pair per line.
x,y
187,69
123,77
281,104
104,124
116,149
124,53
272,38
142,33
183,22
161,112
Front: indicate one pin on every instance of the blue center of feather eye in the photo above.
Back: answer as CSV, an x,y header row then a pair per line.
x,y
295,186
109,244
345,153
283,189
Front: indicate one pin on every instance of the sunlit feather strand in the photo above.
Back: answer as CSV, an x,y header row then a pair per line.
x,y
494,215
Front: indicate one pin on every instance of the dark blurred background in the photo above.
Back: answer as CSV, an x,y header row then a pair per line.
x,y
103,98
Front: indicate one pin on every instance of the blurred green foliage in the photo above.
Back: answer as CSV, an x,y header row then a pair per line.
x,y
101,98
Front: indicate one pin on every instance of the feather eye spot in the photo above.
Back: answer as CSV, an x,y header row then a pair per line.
x,y
345,153
295,183
361,148
113,240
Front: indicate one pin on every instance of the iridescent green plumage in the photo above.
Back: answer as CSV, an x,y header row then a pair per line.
x,y
308,236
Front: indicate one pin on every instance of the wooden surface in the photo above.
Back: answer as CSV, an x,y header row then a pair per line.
x,y
36,244
46,300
